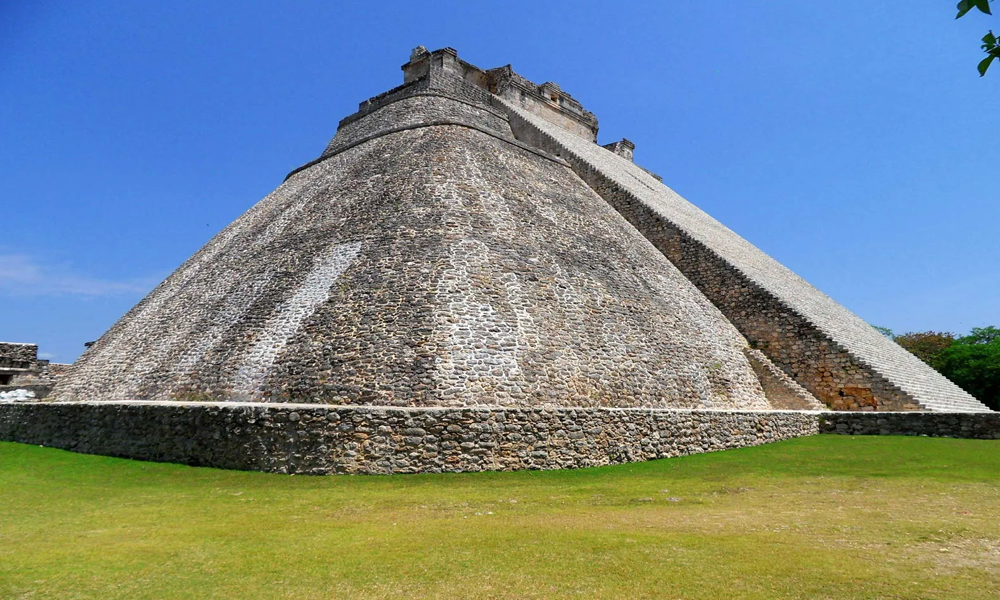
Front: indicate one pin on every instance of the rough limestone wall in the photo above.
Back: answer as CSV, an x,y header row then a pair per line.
x,y
525,311
59,369
431,266
781,390
823,346
18,356
319,440
22,373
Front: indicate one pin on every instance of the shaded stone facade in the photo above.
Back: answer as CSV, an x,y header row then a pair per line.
x,y
781,390
981,426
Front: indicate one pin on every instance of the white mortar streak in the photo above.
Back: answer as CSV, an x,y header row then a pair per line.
x,y
288,318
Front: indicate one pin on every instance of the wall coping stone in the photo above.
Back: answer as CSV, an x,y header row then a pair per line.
x,y
417,409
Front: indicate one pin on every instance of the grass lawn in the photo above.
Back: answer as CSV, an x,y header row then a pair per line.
x,y
817,517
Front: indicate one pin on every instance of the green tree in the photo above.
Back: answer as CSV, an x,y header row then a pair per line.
x,y
973,363
990,45
983,335
926,345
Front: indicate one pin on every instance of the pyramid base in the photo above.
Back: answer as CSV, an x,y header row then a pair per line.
x,y
318,440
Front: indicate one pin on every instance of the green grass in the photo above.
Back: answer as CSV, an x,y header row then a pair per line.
x,y
820,517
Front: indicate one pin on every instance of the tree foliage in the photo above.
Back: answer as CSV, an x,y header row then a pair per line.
x,y
990,45
927,345
972,362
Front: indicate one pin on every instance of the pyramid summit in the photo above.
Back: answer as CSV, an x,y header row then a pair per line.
x,y
463,280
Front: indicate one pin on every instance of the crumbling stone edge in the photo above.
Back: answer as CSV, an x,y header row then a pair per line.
x,y
326,439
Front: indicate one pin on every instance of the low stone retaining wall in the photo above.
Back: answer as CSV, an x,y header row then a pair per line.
x,y
312,439
983,426
318,440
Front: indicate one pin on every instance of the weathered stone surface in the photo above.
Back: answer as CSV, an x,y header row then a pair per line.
x,y
441,265
781,390
336,439
318,439
22,373
827,349
462,281
17,357
984,426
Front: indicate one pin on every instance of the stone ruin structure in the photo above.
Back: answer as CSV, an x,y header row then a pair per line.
x,y
465,280
23,375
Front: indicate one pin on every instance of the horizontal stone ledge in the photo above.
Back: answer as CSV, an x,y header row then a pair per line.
x,y
415,409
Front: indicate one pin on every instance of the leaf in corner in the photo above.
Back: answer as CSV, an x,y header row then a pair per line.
x,y
985,64
966,5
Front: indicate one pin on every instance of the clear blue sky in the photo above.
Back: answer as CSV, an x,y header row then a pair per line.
x,y
853,140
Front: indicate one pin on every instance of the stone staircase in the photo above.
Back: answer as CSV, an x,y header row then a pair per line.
x,y
927,388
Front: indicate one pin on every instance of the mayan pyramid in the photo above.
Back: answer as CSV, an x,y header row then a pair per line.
x,y
464,241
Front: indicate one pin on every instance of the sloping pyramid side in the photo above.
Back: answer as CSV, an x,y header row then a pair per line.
x,y
825,347
429,260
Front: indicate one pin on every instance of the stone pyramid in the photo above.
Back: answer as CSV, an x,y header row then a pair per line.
x,y
464,241
465,280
